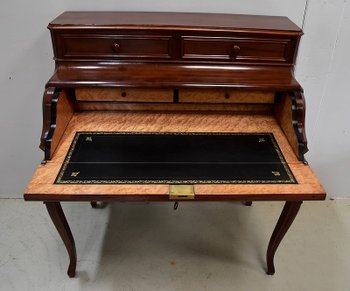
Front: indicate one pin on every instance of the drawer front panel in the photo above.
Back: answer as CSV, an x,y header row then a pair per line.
x,y
237,49
124,95
225,96
115,46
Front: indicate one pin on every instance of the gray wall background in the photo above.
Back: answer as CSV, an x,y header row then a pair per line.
x,y
323,70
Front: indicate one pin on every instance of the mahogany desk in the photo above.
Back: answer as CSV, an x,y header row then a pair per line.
x,y
173,73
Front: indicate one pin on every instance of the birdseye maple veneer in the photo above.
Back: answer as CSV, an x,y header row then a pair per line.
x,y
172,107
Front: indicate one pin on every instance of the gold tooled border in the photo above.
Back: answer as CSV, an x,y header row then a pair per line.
x,y
59,179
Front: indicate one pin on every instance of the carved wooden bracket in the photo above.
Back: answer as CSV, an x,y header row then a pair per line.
x,y
298,115
50,100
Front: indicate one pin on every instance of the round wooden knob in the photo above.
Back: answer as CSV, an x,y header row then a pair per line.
x,y
116,46
236,49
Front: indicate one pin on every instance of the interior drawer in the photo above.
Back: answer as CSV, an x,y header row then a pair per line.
x,y
236,49
115,46
124,94
225,96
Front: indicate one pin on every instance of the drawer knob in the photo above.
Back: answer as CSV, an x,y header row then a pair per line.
x,y
236,49
116,46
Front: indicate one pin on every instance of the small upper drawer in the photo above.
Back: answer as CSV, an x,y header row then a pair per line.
x,y
225,96
114,46
237,49
124,95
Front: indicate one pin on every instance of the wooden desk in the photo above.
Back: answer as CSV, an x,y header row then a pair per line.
x,y
180,73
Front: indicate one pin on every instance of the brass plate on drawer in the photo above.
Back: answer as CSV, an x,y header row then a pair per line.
x,y
181,192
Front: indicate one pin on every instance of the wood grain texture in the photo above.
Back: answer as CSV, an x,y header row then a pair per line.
x,y
176,107
41,186
159,20
225,96
289,212
65,110
283,113
47,116
299,111
59,220
149,75
124,94
57,111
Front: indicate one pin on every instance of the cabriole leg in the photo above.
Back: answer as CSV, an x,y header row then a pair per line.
x,y
61,224
289,212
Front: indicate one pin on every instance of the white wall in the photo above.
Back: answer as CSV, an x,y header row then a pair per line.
x,y
323,68
25,58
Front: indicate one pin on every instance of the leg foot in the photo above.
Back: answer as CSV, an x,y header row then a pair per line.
x,y
61,224
289,212
248,203
93,204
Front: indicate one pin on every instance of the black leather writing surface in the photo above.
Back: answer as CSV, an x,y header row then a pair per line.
x,y
176,158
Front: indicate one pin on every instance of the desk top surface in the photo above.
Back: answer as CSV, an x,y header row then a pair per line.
x,y
174,19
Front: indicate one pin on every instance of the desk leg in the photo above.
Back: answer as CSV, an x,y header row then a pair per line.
x,y
289,212
61,224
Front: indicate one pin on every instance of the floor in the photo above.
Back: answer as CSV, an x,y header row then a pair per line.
x,y
200,246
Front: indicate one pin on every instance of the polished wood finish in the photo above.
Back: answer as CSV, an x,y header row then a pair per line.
x,y
299,110
173,76
49,117
58,109
114,46
177,72
289,212
42,188
257,108
225,96
59,220
238,49
171,20
124,95
284,116
289,109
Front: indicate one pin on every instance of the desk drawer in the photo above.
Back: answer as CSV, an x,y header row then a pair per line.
x,y
115,46
124,95
236,49
225,96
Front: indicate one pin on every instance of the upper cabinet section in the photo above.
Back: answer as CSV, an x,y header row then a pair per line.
x,y
170,37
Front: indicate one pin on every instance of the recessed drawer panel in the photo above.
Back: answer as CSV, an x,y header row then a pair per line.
x,y
115,46
236,49
225,96
124,95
